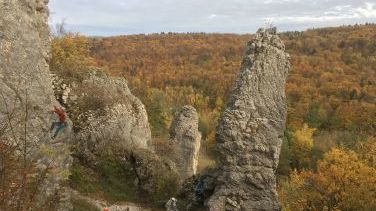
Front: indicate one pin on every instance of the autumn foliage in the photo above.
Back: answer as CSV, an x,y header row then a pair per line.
x,y
326,160
342,181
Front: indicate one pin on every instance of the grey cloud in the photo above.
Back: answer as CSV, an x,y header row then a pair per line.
x,y
110,17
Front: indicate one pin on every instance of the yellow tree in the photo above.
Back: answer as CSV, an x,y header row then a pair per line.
x,y
70,53
293,193
301,147
342,181
367,151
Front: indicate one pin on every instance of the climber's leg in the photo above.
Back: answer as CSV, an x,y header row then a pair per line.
x,y
53,125
59,127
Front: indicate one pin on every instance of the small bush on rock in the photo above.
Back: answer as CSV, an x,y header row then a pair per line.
x,y
136,175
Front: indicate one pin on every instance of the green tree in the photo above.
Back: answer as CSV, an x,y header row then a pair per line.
x,y
158,112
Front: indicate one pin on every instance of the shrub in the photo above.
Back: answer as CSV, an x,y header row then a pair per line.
x,y
137,175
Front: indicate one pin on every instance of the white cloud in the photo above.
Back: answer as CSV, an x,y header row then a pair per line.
x,y
212,16
337,13
368,11
312,19
100,17
280,1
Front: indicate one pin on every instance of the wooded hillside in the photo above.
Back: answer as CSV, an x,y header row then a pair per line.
x,y
331,86
331,99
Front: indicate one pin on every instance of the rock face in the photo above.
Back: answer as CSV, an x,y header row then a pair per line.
x,y
26,92
186,140
172,205
23,52
156,176
190,198
104,111
251,128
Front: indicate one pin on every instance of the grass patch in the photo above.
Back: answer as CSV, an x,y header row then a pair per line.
x,y
114,175
117,180
110,180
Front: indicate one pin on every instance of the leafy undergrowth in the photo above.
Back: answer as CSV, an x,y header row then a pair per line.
x,y
111,181
82,205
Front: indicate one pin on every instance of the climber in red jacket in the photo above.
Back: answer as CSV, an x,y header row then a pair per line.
x,y
61,124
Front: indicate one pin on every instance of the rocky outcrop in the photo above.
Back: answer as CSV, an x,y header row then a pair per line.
x,y
104,112
156,176
172,205
192,199
251,128
186,140
26,93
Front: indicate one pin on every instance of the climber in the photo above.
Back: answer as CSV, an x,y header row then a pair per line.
x,y
61,124
200,190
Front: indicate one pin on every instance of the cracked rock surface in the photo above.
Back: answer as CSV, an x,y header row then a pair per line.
x,y
26,94
104,111
186,139
251,128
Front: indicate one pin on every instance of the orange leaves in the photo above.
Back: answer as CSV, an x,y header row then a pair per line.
x,y
209,62
343,181
70,53
342,176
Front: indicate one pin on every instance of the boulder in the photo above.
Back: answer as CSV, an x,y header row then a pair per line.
x,y
156,176
104,112
251,129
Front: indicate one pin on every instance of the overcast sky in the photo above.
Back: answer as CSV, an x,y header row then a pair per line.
x,y
114,17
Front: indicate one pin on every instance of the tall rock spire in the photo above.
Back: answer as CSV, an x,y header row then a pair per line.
x,y
250,132
187,139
